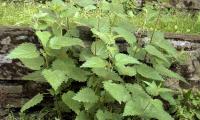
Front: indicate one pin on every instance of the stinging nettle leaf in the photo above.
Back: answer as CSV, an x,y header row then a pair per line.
x,y
86,95
166,72
33,63
35,76
117,91
124,59
60,42
44,37
107,74
31,103
155,52
128,36
72,104
54,78
99,48
95,62
148,72
25,50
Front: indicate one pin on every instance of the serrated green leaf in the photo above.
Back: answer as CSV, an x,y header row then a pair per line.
x,y
82,116
60,42
117,91
159,40
54,78
85,54
31,103
98,48
106,37
25,50
86,95
33,63
107,74
164,71
168,96
123,59
72,104
35,76
84,3
123,70
44,37
155,52
148,72
68,67
104,115
127,35
95,62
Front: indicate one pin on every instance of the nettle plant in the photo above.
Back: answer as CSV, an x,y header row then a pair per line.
x,y
98,80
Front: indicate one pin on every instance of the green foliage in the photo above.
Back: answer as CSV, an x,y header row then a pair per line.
x,y
188,104
34,101
99,80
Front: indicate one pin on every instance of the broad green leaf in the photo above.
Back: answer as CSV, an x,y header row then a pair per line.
x,y
54,78
35,76
113,50
107,74
84,3
33,63
72,104
159,40
106,37
164,71
124,59
44,37
95,62
60,42
82,116
155,52
25,50
155,110
127,35
99,48
123,70
104,115
68,67
85,54
148,72
168,96
117,91
86,95
31,103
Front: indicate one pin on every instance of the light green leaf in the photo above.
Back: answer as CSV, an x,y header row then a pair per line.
x,y
33,63
86,95
54,78
68,67
72,104
127,35
124,59
84,3
99,48
60,42
159,40
104,115
85,54
35,76
82,116
117,91
44,37
107,74
106,37
34,101
148,72
25,50
164,71
155,52
123,70
95,62
168,96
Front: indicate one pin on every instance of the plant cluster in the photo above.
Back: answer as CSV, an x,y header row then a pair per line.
x,y
98,79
